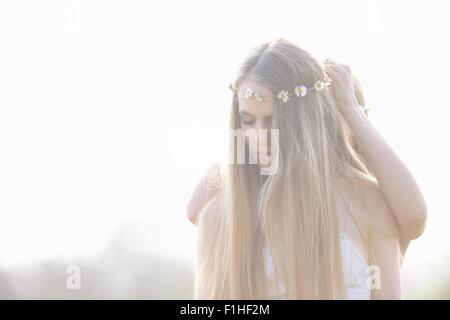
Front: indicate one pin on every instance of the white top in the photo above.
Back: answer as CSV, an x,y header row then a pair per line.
x,y
355,268
355,271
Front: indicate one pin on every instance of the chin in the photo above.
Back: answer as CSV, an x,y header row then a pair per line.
x,y
264,161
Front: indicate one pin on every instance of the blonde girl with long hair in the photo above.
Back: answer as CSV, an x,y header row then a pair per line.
x,y
330,222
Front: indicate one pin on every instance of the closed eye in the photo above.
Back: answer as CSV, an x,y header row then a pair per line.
x,y
248,121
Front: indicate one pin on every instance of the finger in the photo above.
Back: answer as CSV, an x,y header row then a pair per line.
x,y
328,69
329,64
343,67
329,61
332,73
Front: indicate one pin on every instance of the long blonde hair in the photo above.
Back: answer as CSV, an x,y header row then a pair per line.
x,y
292,212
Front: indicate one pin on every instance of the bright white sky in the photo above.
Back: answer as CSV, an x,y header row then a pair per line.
x,y
92,94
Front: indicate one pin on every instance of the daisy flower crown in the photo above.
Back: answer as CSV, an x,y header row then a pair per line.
x,y
284,95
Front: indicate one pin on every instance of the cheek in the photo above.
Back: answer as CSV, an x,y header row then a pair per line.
x,y
252,145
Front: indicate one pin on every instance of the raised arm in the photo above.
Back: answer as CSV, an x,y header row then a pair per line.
x,y
394,179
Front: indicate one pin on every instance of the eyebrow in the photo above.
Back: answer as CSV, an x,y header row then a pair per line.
x,y
243,113
246,114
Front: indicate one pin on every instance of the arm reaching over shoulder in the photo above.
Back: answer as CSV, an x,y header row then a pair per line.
x,y
206,189
394,179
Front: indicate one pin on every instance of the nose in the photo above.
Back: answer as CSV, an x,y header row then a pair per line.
x,y
262,128
263,135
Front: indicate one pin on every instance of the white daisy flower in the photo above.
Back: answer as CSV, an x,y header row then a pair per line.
x,y
248,93
319,85
283,95
258,96
301,91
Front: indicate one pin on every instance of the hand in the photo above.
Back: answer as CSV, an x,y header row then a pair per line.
x,y
341,86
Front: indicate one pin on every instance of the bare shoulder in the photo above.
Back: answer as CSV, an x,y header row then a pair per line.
x,y
375,209
209,186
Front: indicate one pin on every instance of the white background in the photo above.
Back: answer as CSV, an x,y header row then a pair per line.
x,y
92,94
